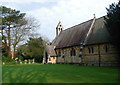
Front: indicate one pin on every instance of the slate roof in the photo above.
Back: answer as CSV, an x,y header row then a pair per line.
x,y
72,36
76,35
50,50
99,33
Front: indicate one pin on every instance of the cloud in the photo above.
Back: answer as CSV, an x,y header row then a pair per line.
x,y
69,12
28,1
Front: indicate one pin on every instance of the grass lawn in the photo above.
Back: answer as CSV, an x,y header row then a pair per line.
x,y
0,74
58,73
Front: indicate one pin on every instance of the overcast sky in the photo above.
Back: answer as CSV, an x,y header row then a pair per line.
x,y
50,12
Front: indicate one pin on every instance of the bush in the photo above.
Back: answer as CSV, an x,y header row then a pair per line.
x,y
38,59
10,63
21,58
6,59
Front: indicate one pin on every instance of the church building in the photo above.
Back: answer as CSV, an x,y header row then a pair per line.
x,y
87,43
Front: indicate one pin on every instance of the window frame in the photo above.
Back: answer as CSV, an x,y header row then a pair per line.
x,y
73,52
106,48
59,53
91,50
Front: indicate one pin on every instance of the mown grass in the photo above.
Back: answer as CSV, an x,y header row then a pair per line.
x,y
58,73
0,71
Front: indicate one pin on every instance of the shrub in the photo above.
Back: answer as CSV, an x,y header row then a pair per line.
x,y
6,59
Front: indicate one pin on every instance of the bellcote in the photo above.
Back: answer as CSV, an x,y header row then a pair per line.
x,y
59,28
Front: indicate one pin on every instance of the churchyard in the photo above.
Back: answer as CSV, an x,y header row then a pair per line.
x,y
58,73
22,62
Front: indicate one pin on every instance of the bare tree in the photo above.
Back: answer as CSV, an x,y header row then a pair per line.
x,y
22,31
16,28
10,17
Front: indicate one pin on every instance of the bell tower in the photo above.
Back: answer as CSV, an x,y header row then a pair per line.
x,y
59,28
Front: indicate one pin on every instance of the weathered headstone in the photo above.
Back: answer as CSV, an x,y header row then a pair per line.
x,y
3,63
20,62
25,61
29,61
16,59
43,61
33,61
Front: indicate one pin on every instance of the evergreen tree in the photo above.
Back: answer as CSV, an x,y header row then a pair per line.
x,y
34,48
112,22
15,28
10,19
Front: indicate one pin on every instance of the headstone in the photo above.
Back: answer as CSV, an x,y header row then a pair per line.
x,y
20,62
16,59
29,61
43,62
33,61
25,61
3,63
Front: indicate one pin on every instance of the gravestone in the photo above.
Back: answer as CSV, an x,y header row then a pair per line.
x,y
3,63
29,61
33,61
25,61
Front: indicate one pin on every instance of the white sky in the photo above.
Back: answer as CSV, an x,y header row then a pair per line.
x,y
50,12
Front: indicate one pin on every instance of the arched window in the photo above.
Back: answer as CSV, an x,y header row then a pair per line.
x,y
90,49
106,48
73,52
59,53
59,28
81,49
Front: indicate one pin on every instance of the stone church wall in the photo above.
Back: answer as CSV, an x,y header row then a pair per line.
x,y
94,55
103,55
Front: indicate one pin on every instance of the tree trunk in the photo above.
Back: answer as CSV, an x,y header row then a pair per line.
x,y
14,52
9,42
5,44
